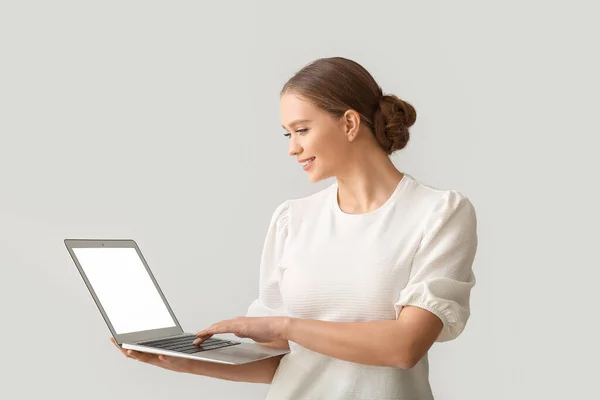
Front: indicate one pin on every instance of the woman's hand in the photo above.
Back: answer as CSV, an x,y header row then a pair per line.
x,y
259,329
176,364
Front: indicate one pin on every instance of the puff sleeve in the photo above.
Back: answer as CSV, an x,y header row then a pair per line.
x,y
441,277
269,302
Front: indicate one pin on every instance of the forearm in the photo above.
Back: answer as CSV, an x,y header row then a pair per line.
x,y
373,343
255,372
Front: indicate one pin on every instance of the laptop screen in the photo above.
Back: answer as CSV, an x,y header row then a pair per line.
x,y
124,288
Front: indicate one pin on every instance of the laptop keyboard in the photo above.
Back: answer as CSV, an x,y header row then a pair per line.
x,y
184,344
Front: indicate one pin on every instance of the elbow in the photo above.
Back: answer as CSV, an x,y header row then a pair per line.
x,y
405,360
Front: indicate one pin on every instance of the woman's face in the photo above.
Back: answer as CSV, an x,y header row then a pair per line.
x,y
315,136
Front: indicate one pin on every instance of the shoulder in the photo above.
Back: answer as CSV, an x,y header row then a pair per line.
x,y
281,215
433,201
303,207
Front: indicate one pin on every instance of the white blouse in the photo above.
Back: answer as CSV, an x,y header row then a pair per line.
x,y
320,263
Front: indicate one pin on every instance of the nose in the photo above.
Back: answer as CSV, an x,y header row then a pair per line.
x,y
294,148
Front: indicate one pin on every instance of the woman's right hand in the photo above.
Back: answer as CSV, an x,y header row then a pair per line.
x,y
176,364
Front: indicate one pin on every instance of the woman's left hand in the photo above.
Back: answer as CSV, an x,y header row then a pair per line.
x,y
259,329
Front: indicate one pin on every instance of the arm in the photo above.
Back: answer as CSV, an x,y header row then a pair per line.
x,y
278,344
255,372
261,371
397,343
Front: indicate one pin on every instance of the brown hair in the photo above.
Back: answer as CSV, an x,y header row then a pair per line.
x,y
337,84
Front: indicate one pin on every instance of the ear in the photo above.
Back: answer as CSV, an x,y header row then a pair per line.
x,y
351,121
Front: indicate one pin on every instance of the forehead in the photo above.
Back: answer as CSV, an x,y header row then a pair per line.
x,y
293,108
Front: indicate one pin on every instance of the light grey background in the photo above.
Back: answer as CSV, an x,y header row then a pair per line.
x,y
159,121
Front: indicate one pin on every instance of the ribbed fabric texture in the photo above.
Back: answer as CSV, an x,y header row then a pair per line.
x,y
321,263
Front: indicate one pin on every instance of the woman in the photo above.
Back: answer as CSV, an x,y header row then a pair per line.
x,y
361,278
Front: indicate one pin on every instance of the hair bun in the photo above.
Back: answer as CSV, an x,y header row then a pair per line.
x,y
391,121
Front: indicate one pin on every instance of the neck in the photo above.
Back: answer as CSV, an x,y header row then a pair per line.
x,y
368,181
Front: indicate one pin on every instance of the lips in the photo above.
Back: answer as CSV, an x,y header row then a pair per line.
x,y
306,162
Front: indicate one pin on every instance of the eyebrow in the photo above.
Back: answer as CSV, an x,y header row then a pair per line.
x,y
297,122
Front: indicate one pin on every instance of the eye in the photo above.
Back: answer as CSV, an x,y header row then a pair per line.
x,y
299,131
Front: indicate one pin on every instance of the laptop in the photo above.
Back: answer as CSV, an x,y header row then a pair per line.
x,y
137,312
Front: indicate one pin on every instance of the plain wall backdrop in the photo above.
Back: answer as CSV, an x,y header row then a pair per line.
x,y
159,121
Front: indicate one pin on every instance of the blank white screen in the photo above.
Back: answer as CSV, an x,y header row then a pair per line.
x,y
124,288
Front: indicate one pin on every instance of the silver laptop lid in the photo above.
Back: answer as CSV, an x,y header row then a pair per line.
x,y
124,289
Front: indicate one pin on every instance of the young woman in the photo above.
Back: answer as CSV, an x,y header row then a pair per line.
x,y
359,279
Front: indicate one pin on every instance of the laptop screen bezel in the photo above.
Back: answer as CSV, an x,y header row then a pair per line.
x,y
131,337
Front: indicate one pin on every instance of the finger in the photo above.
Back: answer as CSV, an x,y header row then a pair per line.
x,y
202,339
213,330
203,332
131,354
124,351
225,328
225,322
143,357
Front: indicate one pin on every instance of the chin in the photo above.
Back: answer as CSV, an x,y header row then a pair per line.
x,y
315,177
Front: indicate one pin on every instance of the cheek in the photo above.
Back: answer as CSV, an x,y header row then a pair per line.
x,y
329,151
322,145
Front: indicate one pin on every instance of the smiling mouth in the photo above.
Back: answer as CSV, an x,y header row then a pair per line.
x,y
308,162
